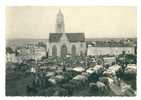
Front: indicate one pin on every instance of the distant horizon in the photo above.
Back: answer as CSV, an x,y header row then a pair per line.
x,y
85,38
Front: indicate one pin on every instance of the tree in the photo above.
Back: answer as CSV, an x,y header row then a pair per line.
x,y
9,50
126,59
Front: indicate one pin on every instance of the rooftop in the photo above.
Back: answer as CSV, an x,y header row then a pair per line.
x,y
72,37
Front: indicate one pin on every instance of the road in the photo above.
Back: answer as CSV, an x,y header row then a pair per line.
x,y
118,89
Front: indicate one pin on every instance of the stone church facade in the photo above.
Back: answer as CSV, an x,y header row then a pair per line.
x,y
61,43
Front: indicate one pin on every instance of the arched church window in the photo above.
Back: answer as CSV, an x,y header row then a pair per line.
x,y
81,45
81,53
63,50
73,50
54,51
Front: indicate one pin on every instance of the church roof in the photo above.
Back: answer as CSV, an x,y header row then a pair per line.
x,y
76,37
54,37
72,37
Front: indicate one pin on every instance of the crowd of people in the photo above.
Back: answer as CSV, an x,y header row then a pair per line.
x,y
66,76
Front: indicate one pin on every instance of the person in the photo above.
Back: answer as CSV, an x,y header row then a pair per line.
x,y
119,81
115,78
28,89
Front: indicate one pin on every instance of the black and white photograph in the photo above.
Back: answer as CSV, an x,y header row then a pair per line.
x,y
66,51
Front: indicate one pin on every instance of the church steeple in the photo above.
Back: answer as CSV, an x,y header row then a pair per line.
x,y
60,22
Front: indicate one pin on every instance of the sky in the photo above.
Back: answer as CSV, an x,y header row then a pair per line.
x,y
95,21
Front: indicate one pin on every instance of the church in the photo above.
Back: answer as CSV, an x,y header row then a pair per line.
x,y
62,43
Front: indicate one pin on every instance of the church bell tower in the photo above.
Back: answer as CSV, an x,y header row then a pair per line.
x,y
60,23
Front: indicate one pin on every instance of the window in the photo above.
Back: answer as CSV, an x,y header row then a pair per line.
x,y
54,51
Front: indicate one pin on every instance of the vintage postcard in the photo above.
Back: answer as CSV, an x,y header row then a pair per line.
x,y
71,51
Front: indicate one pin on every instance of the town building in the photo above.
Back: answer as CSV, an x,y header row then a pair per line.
x,y
39,52
10,57
107,50
31,51
61,43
